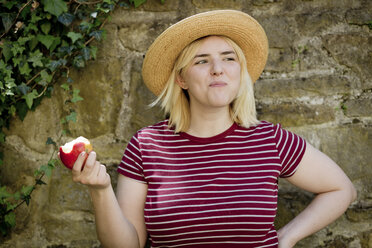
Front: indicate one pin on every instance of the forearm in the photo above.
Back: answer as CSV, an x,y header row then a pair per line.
x,y
323,210
113,229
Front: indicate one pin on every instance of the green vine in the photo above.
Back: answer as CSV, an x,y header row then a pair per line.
x,y
39,41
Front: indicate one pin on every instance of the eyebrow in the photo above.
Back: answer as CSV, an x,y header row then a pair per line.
x,y
206,54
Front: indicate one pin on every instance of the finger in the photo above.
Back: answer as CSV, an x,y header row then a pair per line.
x,y
95,169
103,176
89,163
76,169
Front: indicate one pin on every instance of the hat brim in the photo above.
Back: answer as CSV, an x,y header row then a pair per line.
x,y
243,29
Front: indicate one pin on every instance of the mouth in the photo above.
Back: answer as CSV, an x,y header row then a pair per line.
x,y
217,84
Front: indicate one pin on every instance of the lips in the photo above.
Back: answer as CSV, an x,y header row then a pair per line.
x,y
217,84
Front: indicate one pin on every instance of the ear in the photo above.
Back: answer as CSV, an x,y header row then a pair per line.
x,y
181,82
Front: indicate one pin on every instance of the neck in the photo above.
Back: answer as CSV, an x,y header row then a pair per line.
x,y
208,123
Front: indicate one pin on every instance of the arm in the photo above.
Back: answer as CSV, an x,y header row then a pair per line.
x,y
317,173
117,222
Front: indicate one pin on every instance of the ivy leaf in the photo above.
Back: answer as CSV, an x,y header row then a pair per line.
x,y
12,112
55,7
26,198
74,36
21,110
35,58
35,18
4,193
52,163
46,76
71,116
46,40
7,19
47,170
96,34
29,97
56,42
78,62
85,26
137,2
65,86
46,27
26,190
33,43
54,64
93,51
7,51
75,96
24,69
66,19
50,141
16,48
10,4
86,53
23,88
10,219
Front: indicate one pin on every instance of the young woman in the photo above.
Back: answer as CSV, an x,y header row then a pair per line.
x,y
207,176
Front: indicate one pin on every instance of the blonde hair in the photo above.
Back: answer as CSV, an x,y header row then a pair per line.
x,y
174,100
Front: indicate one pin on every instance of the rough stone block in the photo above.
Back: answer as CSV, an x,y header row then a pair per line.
x,y
359,107
317,85
314,23
352,50
280,35
295,113
101,86
349,146
279,60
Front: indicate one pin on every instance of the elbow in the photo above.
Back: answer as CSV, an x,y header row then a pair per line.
x,y
353,193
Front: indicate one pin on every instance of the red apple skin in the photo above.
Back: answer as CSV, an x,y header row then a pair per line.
x,y
68,159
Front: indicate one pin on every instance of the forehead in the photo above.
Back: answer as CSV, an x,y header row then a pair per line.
x,y
214,44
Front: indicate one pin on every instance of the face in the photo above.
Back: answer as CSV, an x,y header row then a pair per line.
x,y
213,77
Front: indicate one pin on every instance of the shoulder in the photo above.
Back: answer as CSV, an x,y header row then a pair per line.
x,y
263,127
159,129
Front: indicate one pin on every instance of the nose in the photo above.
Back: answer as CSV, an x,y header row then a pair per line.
x,y
216,68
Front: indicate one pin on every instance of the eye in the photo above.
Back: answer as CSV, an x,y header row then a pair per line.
x,y
203,61
230,59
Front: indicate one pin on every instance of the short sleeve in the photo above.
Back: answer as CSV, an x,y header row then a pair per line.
x,y
291,149
131,163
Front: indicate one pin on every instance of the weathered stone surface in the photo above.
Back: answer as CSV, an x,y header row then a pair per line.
x,y
349,146
37,126
361,106
101,86
295,114
317,85
280,35
317,22
352,50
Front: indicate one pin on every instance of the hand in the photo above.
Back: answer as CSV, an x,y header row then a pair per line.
x,y
93,174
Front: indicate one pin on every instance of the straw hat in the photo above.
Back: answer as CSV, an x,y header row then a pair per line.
x,y
238,26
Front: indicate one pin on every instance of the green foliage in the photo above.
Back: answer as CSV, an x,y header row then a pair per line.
x,y
39,41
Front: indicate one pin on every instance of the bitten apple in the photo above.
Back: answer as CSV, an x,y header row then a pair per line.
x,y
69,152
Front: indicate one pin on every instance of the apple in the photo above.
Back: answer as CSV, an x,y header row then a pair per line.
x,y
70,151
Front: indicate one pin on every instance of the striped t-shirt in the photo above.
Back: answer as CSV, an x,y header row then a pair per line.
x,y
219,191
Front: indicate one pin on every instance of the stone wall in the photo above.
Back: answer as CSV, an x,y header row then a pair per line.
x,y
317,83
